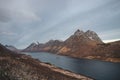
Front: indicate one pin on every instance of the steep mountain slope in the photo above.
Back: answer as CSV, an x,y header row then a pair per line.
x,y
12,48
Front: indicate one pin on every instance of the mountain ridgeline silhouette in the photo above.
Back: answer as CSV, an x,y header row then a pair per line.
x,y
80,45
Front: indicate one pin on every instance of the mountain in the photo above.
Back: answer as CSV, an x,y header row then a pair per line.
x,y
12,48
50,46
80,45
88,34
107,52
22,67
76,43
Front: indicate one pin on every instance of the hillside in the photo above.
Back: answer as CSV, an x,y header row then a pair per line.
x,y
22,67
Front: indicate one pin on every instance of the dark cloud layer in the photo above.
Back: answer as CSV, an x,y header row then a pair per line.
x,y
25,21
4,15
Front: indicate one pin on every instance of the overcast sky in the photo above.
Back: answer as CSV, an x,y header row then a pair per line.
x,y
25,21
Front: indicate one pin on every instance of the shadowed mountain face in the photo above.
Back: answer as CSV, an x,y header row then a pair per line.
x,y
81,45
12,48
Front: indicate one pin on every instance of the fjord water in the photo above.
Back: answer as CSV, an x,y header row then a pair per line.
x,y
99,70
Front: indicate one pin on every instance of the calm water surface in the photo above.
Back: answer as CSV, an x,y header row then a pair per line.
x,y
98,70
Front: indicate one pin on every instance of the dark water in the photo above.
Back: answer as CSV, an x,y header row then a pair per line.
x,y
98,70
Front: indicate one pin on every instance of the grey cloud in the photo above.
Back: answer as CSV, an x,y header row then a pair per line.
x,y
4,15
41,20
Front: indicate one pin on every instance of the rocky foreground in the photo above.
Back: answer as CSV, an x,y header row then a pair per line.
x,y
15,66
81,45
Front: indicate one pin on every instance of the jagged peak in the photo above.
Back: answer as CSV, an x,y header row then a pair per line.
x,y
93,35
79,32
50,41
90,32
33,44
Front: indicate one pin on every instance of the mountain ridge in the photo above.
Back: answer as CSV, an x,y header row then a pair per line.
x,y
80,45
12,48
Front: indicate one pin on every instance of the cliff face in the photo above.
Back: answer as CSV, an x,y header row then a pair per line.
x,y
21,67
81,45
